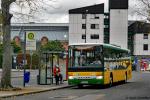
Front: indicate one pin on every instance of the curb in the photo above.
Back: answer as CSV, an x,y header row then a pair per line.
x,y
34,92
17,76
21,76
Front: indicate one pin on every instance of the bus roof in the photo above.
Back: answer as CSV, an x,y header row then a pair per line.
x,y
103,44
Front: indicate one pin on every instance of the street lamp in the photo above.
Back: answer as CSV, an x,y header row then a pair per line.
x,y
65,36
86,11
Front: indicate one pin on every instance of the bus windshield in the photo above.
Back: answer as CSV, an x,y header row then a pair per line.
x,y
85,56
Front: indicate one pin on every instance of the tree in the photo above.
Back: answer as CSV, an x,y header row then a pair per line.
x,y
33,5
53,46
6,18
1,52
141,8
35,60
16,48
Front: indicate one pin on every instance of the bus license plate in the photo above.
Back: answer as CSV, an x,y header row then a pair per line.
x,y
84,82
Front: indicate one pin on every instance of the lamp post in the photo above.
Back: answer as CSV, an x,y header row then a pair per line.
x,y
86,11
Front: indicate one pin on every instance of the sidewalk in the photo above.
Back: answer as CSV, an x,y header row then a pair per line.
x,y
18,70
33,89
13,71
145,71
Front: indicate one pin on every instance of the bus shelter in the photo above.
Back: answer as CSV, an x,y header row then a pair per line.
x,y
47,62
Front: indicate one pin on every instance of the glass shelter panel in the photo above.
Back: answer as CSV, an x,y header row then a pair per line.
x,y
42,75
45,72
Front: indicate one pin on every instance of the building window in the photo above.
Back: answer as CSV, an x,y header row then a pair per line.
x,y
83,26
106,30
145,47
95,36
145,36
83,16
106,26
94,26
83,36
106,16
96,16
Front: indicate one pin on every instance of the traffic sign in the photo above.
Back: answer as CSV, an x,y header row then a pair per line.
x,y
30,41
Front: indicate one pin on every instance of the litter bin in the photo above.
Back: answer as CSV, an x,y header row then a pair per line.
x,y
26,77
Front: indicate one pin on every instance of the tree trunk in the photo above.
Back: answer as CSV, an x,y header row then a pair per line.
x,y
6,67
7,58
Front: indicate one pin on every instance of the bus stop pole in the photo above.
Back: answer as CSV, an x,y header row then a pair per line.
x,y
24,58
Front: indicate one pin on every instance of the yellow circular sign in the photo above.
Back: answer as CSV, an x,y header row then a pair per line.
x,y
31,36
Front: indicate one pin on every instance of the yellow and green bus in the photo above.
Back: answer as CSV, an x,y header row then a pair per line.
x,y
98,64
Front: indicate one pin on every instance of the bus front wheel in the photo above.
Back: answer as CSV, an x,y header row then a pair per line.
x,y
80,86
125,78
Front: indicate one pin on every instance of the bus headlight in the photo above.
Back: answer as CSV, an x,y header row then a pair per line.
x,y
71,77
99,77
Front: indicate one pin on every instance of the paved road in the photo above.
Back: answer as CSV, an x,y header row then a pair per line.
x,y
136,89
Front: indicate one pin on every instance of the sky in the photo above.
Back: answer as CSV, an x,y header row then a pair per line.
x,y
56,12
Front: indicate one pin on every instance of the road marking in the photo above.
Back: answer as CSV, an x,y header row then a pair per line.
x,y
91,97
64,97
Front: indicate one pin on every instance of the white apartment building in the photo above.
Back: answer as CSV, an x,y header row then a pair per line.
x,y
141,38
142,44
86,24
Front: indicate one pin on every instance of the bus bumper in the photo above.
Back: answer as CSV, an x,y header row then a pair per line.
x,y
86,81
